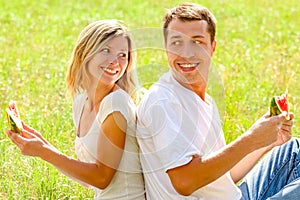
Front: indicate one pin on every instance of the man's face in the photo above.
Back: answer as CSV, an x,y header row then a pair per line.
x,y
189,50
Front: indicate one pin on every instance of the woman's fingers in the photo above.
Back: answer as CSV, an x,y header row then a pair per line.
x,y
16,138
27,128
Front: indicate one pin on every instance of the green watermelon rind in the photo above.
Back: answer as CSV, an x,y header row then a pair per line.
x,y
275,108
14,122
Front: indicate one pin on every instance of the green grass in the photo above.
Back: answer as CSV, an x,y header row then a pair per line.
x,y
257,57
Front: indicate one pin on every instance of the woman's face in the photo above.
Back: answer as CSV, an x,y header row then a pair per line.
x,y
110,63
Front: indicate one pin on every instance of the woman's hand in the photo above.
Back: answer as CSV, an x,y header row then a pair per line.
x,y
34,132
30,141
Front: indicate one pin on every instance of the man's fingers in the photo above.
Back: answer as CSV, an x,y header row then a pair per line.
x,y
291,115
288,115
266,115
285,128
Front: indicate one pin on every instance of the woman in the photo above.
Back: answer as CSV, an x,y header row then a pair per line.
x,y
101,80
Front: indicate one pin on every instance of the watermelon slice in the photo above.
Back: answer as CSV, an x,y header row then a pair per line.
x,y
13,118
279,104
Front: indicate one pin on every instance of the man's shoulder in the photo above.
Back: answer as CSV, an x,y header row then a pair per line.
x,y
158,92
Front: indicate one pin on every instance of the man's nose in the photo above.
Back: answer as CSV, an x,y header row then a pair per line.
x,y
187,51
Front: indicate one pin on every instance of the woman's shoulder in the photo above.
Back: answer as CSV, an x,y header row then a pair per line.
x,y
117,101
79,99
119,97
120,93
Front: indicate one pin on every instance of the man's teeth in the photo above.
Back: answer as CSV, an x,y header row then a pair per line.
x,y
110,70
188,65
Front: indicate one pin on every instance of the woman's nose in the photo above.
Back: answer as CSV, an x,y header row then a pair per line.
x,y
113,59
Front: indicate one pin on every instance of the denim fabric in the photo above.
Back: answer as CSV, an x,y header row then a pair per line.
x,y
276,176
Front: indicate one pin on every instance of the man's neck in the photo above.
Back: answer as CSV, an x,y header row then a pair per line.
x,y
199,90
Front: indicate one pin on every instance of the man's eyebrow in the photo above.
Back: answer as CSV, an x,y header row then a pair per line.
x,y
182,36
198,36
176,37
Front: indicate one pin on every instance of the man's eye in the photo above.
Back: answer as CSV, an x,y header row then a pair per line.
x,y
196,42
176,43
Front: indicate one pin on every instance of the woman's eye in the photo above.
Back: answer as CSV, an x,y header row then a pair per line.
x,y
197,42
124,55
105,50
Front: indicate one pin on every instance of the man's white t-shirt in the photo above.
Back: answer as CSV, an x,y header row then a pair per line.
x,y
173,125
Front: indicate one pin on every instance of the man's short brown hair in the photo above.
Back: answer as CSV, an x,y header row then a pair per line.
x,y
190,12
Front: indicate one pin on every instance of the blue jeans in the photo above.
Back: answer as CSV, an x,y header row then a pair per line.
x,y
276,176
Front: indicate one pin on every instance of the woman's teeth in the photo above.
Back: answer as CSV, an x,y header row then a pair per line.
x,y
110,70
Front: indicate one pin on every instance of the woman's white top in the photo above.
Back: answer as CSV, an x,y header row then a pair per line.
x,y
128,182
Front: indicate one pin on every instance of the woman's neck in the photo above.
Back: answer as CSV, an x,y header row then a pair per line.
x,y
96,95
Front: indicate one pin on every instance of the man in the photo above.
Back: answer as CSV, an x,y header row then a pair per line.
x,y
183,151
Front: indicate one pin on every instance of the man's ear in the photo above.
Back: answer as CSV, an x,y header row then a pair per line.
x,y
213,47
165,46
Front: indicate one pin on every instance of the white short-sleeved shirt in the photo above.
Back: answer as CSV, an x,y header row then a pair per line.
x,y
173,125
128,182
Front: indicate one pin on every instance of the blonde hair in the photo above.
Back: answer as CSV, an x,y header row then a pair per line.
x,y
92,38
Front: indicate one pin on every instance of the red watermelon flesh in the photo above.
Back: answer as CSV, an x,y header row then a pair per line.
x,y
279,104
282,102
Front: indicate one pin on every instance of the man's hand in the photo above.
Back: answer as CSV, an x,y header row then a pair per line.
x,y
270,131
285,131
